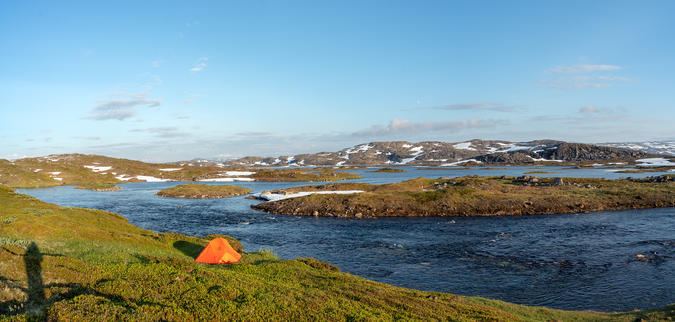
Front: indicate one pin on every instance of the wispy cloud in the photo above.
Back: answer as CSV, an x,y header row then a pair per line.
x,y
584,76
584,68
200,65
485,106
592,109
585,81
122,106
163,131
397,126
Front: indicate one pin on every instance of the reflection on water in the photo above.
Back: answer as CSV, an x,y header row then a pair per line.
x,y
585,261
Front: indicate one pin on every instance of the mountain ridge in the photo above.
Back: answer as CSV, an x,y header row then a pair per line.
x,y
437,153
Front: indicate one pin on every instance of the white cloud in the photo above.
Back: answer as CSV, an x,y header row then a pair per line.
x,y
163,131
122,106
584,68
397,126
486,106
605,110
585,81
200,65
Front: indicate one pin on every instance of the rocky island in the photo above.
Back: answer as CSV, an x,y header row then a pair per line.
x,y
203,191
100,187
474,196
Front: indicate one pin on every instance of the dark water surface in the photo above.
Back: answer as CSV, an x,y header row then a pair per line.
x,y
584,261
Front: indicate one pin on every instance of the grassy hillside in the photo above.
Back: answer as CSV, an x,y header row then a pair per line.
x,y
203,191
80,264
478,196
87,170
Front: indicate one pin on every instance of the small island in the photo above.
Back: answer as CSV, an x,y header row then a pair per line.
x,y
474,196
100,187
387,170
204,191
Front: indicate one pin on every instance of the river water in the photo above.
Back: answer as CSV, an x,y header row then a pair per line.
x,y
579,261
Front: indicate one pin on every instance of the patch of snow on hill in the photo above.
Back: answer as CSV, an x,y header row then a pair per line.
x,y
546,160
97,168
123,177
658,147
655,162
459,162
151,179
464,146
171,169
280,196
239,173
226,179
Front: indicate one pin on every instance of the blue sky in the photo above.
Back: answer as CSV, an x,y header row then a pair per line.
x,y
166,81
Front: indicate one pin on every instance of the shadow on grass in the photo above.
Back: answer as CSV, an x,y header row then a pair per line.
x,y
188,248
36,300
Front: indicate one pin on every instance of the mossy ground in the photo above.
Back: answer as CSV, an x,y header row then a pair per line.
x,y
475,196
203,191
62,263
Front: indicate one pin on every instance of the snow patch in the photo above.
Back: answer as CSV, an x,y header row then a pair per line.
x,y
56,173
59,179
97,168
151,179
406,146
655,162
170,169
459,162
464,146
279,196
37,170
545,160
123,177
226,179
239,173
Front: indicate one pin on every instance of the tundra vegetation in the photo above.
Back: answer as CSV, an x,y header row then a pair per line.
x,y
87,170
63,263
478,196
203,191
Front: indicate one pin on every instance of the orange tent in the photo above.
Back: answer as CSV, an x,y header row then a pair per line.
x,y
218,251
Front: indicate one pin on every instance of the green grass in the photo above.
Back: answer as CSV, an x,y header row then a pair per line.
x,y
203,191
81,264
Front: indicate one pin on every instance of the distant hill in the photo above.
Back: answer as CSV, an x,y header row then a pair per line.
x,y
450,153
666,147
